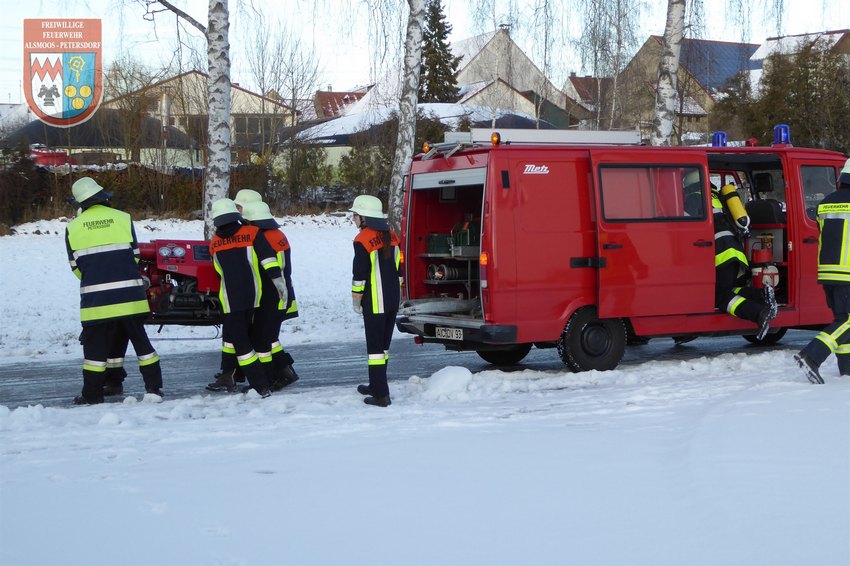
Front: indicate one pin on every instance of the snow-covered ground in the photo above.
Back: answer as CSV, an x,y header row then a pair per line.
x,y
729,460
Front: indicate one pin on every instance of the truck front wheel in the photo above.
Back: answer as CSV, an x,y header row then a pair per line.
x,y
591,343
505,357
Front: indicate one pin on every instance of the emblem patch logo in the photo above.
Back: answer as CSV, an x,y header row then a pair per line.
x,y
63,66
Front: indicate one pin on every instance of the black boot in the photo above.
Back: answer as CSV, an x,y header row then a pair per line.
x,y
364,390
378,401
224,381
112,387
283,378
80,400
809,368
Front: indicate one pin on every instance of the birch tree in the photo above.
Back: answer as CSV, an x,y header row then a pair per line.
x,y
407,108
668,74
217,178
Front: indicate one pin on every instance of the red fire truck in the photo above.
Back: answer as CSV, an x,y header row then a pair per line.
x,y
523,239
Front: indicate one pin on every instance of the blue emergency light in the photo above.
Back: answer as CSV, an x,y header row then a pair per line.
x,y
718,139
781,134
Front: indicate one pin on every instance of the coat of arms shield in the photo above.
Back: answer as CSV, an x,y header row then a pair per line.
x,y
63,69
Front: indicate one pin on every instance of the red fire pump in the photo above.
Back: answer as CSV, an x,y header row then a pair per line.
x,y
183,282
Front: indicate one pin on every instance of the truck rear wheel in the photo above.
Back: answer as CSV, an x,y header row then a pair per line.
x,y
505,357
591,343
768,340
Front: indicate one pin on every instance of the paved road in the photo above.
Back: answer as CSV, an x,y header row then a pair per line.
x,y
322,365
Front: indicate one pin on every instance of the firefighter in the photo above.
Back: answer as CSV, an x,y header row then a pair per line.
x,y
273,310
834,274
730,264
732,273
238,255
228,353
375,291
104,255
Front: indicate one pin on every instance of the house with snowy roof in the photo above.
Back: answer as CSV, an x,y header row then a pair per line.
x,y
705,67
836,41
332,104
495,73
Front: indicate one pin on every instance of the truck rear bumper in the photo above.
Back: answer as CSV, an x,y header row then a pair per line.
x,y
475,331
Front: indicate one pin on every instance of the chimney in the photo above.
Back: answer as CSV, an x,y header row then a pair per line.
x,y
330,87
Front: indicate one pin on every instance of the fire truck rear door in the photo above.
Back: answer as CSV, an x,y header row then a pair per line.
x,y
655,236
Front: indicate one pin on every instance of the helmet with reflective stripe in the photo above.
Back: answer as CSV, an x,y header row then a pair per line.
x,y
244,196
224,212
85,188
368,207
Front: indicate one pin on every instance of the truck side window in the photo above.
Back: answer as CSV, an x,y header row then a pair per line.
x,y
652,192
817,183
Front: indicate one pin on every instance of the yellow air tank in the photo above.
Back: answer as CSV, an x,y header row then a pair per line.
x,y
729,196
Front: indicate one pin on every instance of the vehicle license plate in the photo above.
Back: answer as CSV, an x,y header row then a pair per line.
x,y
448,333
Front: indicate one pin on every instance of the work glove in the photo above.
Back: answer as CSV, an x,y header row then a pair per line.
x,y
357,303
280,285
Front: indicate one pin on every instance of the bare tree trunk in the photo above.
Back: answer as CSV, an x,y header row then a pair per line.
x,y
217,179
668,74
407,109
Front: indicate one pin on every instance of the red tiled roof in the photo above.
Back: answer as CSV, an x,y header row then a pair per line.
x,y
588,87
330,104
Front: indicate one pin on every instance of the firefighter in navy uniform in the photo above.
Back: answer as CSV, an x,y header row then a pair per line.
x,y
104,255
731,268
273,309
229,369
834,275
238,256
375,291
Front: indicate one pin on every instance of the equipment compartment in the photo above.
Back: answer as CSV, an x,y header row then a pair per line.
x,y
443,261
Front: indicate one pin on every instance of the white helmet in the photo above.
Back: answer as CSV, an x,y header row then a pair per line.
x,y
368,206
244,196
691,178
224,212
256,211
259,214
844,177
85,188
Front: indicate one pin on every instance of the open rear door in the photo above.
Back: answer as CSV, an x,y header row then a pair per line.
x,y
655,233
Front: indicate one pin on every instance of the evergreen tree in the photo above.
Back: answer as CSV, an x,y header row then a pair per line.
x,y
809,91
438,73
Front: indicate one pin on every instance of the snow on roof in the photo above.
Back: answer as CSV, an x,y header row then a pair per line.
x,y
788,44
468,48
448,113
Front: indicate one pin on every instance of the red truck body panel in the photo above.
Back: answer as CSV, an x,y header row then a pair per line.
x,y
566,227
